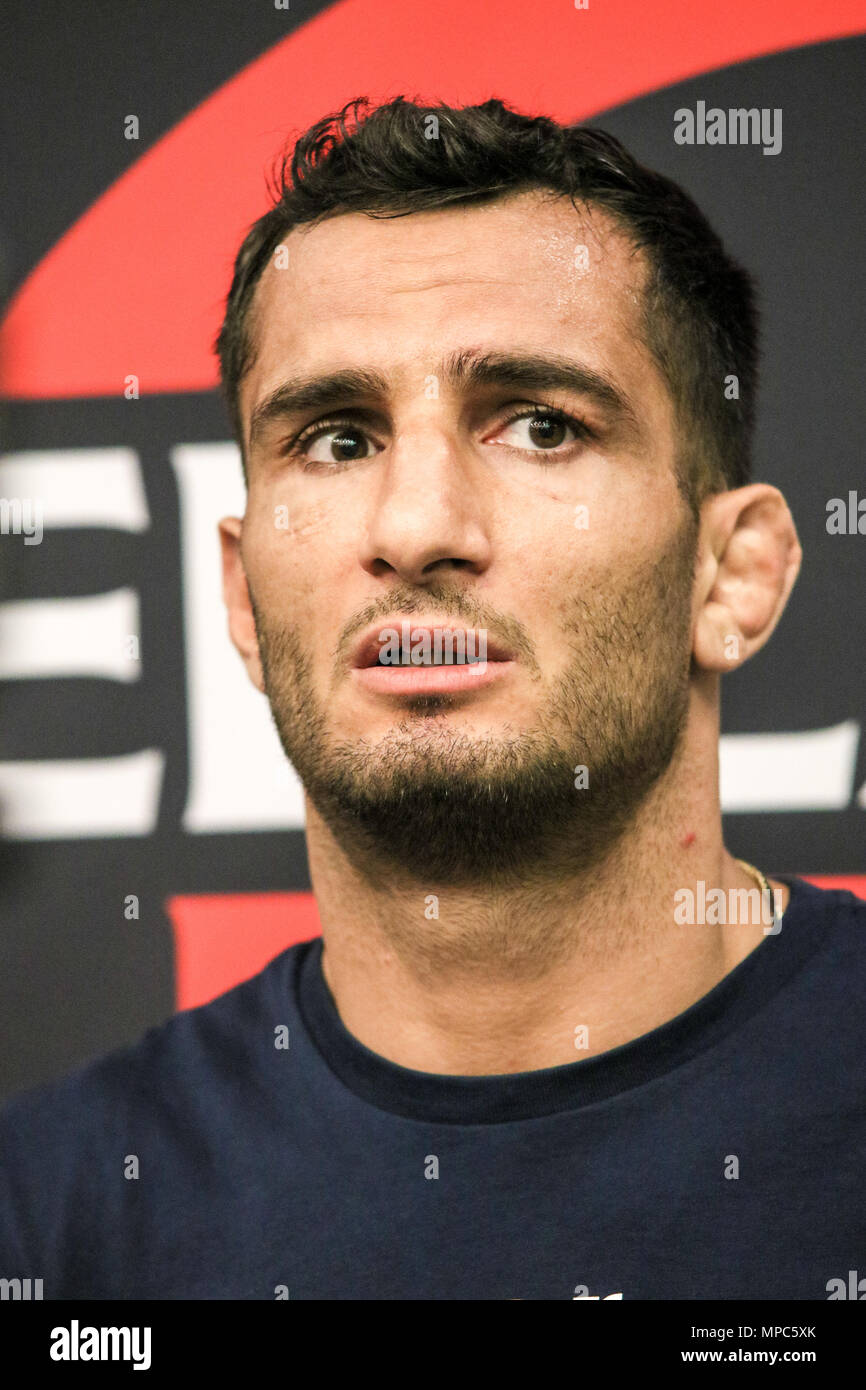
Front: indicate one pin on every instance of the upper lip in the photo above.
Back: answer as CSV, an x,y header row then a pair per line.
x,y
369,644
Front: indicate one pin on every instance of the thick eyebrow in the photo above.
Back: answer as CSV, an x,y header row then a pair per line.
x,y
304,394
538,372
467,369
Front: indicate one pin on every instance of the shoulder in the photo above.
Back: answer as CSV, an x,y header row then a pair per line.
x,y
190,1053
826,928
65,1146
836,911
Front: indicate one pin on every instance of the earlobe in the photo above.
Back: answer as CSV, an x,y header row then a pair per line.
x,y
752,560
236,596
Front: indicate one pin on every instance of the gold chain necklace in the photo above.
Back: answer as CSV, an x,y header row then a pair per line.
x,y
764,886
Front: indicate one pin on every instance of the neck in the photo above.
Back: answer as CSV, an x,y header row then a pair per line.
x,y
491,980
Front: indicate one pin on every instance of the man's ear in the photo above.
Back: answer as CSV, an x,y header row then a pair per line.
x,y
236,595
749,558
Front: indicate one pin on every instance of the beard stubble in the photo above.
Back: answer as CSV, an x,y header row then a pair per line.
x,y
502,808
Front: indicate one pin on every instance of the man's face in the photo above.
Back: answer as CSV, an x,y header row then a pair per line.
x,y
423,499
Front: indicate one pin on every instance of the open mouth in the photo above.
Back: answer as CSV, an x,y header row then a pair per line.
x,y
433,658
415,657
414,644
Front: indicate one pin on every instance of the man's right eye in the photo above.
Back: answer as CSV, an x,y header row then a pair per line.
x,y
332,444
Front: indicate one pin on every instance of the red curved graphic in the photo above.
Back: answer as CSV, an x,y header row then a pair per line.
x,y
137,284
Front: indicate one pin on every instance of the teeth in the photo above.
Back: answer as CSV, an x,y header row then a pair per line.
x,y
409,663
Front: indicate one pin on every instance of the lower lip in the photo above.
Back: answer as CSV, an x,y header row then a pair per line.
x,y
430,680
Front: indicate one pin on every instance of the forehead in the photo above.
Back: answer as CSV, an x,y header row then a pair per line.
x,y
525,271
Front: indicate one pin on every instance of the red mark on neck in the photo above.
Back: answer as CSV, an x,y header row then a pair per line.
x,y
688,839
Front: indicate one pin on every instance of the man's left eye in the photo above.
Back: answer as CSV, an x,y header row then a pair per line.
x,y
542,430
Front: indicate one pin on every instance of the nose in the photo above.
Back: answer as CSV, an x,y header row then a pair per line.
x,y
429,514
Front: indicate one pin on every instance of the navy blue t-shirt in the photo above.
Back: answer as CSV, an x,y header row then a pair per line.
x,y
722,1155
